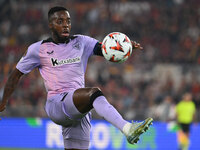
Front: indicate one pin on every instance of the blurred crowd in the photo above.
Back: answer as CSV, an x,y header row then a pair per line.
x,y
150,83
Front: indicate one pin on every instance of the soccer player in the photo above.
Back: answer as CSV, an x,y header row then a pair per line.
x,y
185,113
62,61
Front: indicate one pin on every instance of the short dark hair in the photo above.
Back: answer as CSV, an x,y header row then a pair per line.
x,y
55,9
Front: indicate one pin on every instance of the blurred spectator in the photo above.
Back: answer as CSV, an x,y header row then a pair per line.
x,y
165,111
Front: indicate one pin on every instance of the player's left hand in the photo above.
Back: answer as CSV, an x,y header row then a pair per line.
x,y
136,45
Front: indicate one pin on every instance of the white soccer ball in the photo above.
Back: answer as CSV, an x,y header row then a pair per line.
x,y
116,47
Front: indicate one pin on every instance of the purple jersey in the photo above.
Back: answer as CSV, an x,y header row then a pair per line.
x,y
62,66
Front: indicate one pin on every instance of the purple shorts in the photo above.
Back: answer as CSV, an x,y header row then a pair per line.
x,y
75,126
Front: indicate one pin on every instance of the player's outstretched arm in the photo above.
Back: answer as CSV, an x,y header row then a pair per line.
x,y
10,87
98,47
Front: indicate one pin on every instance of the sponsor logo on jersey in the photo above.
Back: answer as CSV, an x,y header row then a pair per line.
x,y
55,62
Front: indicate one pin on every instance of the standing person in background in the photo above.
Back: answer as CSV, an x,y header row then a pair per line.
x,y
185,113
62,60
165,111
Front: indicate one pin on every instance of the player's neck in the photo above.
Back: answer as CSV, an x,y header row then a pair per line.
x,y
56,39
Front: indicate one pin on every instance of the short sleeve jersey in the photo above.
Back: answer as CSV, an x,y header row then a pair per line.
x,y
62,66
185,111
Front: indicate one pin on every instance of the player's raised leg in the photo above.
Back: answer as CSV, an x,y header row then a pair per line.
x,y
87,98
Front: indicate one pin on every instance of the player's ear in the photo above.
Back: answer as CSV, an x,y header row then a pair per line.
x,y
50,25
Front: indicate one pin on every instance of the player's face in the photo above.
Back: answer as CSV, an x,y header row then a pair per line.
x,y
61,25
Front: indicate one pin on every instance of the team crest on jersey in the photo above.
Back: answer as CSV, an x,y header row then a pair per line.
x,y
55,62
77,46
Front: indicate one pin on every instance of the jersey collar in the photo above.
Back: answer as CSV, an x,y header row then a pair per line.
x,y
51,40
